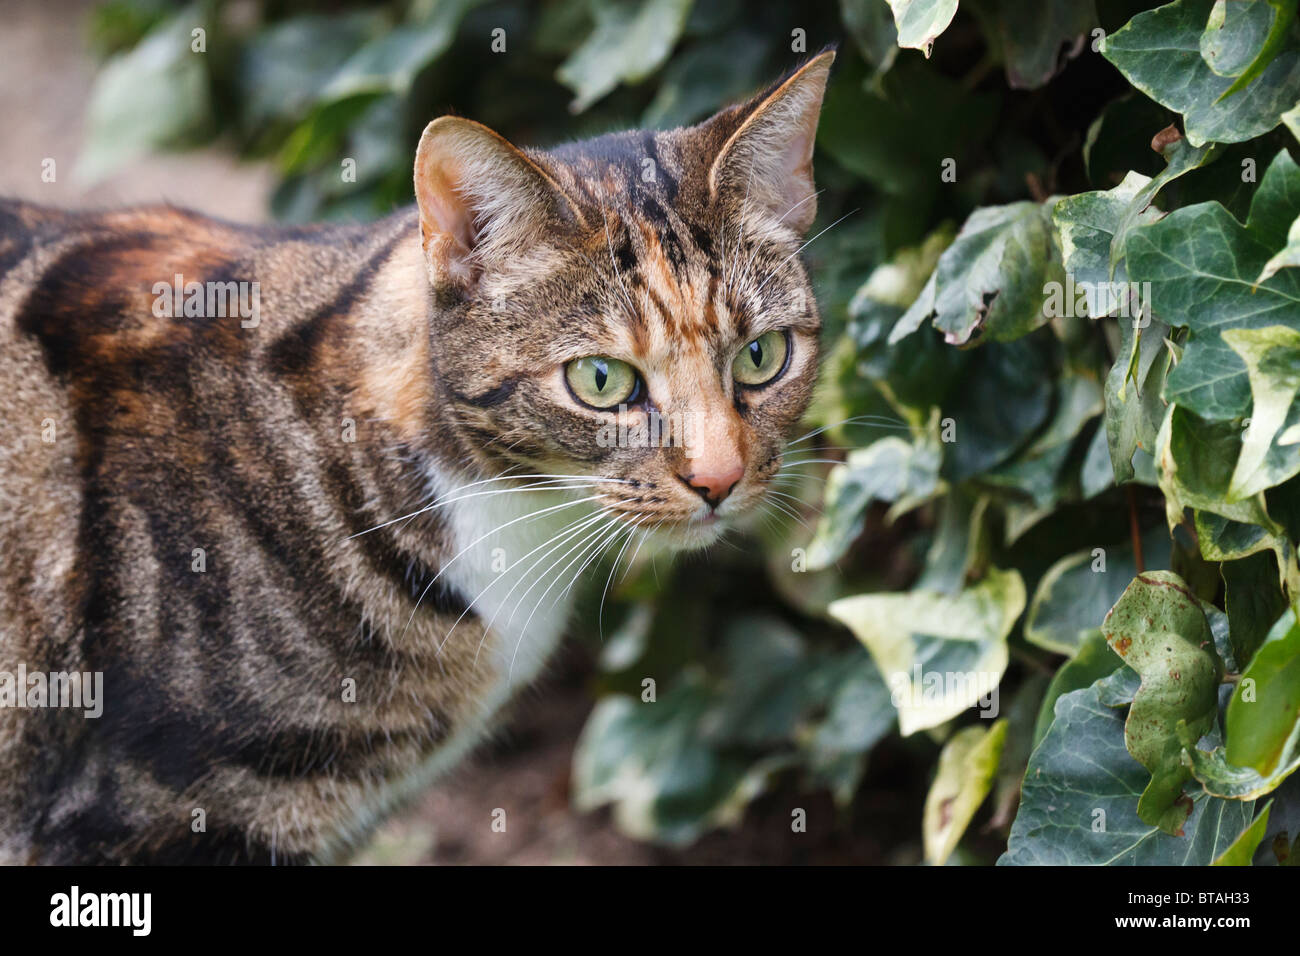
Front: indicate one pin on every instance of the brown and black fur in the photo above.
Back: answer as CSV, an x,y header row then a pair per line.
x,y
223,686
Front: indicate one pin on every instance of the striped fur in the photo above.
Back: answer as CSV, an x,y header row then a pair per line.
x,y
391,365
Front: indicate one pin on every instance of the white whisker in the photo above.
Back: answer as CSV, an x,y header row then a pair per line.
x,y
811,461
744,273
531,516
773,273
867,421
548,484
795,498
574,527
577,549
555,543
600,614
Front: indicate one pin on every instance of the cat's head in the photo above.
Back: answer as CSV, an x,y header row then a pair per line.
x,y
631,308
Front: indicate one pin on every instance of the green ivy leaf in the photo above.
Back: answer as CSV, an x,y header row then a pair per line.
x,y
1229,50
1119,140
898,283
1079,802
1253,598
1263,721
1291,118
915,376
1243,848
390,63
1078,590
1037,471
885,470
1224,539
1159,52
1159,628
968,765
1134,408
1222,779
1119,688
1219,627
871,25
1001,401
939,653
1276,203
1275,42
1196,460
154,96
959,546
991,279
1180,158
649,760
1282,841
1087,224
1038,39
858,715
1096,473
1092,227
1201,265
1093,659
630,41
1288,258
763,704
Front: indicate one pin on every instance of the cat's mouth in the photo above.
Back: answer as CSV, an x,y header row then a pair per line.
x,y
683,528
691,531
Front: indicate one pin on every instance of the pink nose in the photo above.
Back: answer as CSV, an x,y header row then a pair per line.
x,y
715,484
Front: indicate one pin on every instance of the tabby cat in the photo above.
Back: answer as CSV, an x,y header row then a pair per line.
x,y
310,500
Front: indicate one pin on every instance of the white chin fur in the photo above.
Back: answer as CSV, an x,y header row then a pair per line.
x,y
685,537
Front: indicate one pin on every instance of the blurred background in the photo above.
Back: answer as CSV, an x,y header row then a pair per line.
x,y
765,705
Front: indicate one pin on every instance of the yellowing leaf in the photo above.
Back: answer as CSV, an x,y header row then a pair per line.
x,y
920,21
967,766
938,653
1270,446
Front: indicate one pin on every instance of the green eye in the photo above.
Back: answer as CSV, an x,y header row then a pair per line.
x,y
762,359
601,382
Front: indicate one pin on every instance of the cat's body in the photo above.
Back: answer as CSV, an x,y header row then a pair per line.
x,y
148,464
200,508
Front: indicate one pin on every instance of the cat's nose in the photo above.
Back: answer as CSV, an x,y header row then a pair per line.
x,y
714,484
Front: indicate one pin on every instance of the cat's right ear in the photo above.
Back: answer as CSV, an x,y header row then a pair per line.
x,y
767,161
481,200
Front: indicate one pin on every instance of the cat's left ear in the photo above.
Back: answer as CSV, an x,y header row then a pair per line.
x,y
768,160
482,201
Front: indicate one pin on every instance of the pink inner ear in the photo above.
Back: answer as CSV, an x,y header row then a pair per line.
x,y
444,211
797,164
772,150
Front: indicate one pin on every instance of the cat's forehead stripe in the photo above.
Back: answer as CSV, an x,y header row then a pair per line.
x,y
672,246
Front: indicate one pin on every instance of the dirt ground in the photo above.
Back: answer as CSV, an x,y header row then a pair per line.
x,y
525,772
45,78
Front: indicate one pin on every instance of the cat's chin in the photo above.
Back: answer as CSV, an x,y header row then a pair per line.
x,y
689,535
